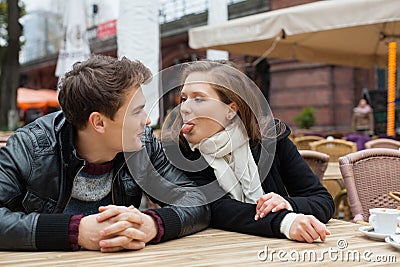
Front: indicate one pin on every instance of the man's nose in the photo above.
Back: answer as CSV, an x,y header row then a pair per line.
x,y
148,120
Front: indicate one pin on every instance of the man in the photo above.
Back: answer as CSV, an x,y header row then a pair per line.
x,y
59,174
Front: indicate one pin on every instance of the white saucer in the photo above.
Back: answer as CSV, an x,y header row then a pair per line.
x,y
369,231
391,242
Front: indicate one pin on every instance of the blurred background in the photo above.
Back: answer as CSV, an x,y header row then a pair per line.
x,y
290,86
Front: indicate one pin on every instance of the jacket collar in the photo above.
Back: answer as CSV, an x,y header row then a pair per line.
x,y
66,133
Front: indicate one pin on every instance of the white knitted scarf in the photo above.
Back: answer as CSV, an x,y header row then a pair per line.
x,y
228,153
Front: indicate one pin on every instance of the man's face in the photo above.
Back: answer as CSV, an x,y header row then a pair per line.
x,y
124,132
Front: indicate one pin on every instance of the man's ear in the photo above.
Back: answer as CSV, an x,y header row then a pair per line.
x,y
96,121
233,109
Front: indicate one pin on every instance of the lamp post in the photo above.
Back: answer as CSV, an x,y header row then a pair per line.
x,y
390,131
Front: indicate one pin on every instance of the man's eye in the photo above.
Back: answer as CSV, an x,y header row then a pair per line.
x,y
183,99
198,99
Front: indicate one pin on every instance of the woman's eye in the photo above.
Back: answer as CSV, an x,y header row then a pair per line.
x,y
196,99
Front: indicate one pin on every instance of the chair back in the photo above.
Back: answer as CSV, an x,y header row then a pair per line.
x,y
369,175
317,161
335,148
303,142
383,143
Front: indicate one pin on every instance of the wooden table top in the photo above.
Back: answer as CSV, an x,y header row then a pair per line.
x,y
221,248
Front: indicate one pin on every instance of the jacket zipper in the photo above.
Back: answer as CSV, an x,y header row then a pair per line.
x,y
115,176
70,196
112,182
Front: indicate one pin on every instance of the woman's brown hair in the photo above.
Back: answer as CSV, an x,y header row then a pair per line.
x,y
232,85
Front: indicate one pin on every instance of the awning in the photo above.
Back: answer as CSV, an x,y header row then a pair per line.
x,y
42,98
344,32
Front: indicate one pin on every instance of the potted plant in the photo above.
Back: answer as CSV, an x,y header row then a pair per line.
x,y
306,119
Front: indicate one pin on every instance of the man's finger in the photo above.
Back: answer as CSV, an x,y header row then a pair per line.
x,y
135,245
117,244
117,241
134,234
104,208
112,249
111,211
133,217
118,227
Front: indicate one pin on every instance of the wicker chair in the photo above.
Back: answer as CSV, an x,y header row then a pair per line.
x,y
369,175
303,142
334,148
317,161
383,143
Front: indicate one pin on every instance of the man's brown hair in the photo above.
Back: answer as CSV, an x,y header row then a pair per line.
x,y
99,84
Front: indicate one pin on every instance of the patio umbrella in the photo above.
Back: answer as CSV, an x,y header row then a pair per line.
x,y
138,37
75,45
343,32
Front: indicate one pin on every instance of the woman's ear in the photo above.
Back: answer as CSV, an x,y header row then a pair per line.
x,y
233,109
233,106
96,121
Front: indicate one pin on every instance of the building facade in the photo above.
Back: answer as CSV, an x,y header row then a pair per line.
x,y
288,85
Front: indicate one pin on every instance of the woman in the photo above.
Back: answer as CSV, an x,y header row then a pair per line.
x,y
226,133
363,118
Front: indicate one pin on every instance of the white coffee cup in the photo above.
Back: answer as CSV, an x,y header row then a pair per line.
x,y
384,220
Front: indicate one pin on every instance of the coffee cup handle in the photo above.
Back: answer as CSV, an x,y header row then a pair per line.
x,y
372,219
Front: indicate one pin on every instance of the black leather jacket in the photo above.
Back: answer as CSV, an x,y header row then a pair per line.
x,y
37,169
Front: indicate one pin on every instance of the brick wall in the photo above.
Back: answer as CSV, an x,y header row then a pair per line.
x,y
332,90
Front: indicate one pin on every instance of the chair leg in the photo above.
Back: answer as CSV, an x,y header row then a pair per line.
x,y
347,211
339,198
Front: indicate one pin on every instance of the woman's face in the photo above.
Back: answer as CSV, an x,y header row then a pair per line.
x,y
202,111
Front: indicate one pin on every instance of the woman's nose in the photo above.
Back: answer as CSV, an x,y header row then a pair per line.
x,y
185,106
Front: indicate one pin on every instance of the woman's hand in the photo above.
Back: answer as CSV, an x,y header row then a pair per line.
x,y
307,228
270,202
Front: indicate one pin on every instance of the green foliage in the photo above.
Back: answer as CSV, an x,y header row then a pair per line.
x,y
306,119
4,20
10,33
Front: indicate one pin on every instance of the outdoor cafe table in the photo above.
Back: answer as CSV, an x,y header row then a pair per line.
x,y
222,248
333,173
333,180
